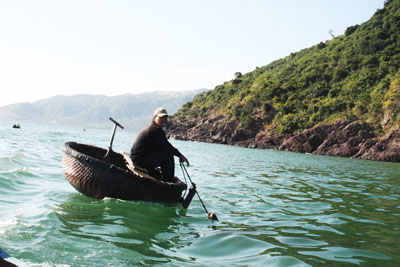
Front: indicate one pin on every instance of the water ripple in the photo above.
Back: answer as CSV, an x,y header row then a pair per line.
x,y
275,209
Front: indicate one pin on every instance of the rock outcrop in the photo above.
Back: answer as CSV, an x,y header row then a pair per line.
x,y
342,138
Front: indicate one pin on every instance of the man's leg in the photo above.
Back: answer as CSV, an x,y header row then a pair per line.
x,y
168,168
160,159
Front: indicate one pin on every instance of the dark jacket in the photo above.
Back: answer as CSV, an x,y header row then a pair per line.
x,y
151,140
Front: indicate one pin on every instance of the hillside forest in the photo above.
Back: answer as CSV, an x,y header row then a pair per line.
x,y
354,77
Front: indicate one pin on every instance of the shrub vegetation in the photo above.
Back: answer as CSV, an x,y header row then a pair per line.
x,y
355,76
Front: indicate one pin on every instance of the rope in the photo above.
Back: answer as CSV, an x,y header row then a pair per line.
x,y
201,201
184,176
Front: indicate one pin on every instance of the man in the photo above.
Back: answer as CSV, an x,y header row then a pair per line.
x,y
151,148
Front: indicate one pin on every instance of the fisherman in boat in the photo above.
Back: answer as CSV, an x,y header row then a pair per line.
x,y
151,148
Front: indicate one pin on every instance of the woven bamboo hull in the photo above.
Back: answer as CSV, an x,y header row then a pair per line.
x,y
91,175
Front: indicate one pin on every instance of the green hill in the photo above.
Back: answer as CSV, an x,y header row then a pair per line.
x,y
354,77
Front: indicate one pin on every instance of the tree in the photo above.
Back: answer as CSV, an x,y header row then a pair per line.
x,y
238,75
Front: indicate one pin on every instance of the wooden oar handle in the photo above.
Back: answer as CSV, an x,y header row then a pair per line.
x,y
114,121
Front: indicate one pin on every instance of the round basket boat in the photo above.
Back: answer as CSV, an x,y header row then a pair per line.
x,y
93,175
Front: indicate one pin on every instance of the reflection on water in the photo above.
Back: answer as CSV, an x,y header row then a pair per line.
x,y
275,209
141,227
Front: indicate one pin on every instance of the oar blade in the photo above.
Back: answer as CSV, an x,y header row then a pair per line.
x,y
212,216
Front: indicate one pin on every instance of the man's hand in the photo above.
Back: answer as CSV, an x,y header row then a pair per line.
x,y
182,158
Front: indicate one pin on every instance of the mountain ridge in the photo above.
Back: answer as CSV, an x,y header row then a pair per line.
x,y
133,111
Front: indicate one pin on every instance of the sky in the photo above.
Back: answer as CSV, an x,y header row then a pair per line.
x,y
114,47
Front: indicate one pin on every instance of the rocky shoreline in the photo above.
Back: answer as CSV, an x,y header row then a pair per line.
x,y
342,138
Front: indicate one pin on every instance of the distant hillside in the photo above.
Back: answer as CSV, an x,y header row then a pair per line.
x,y
133,111
354,77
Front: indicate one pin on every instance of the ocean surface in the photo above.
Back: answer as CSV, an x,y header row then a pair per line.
x,y
275,208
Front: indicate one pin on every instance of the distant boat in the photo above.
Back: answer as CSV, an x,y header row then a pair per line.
x,y
16,126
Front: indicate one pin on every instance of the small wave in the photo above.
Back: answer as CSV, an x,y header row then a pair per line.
x,y
349,255
22,170
7,224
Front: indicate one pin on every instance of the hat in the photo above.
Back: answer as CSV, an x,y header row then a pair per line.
x,y
160,112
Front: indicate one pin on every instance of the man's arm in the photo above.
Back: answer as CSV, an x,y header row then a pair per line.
x,y
182,158
169,147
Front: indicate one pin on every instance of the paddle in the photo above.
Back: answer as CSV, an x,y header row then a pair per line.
x,y
192,191
109,150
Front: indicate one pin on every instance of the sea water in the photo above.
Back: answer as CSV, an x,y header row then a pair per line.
x,y
275,208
